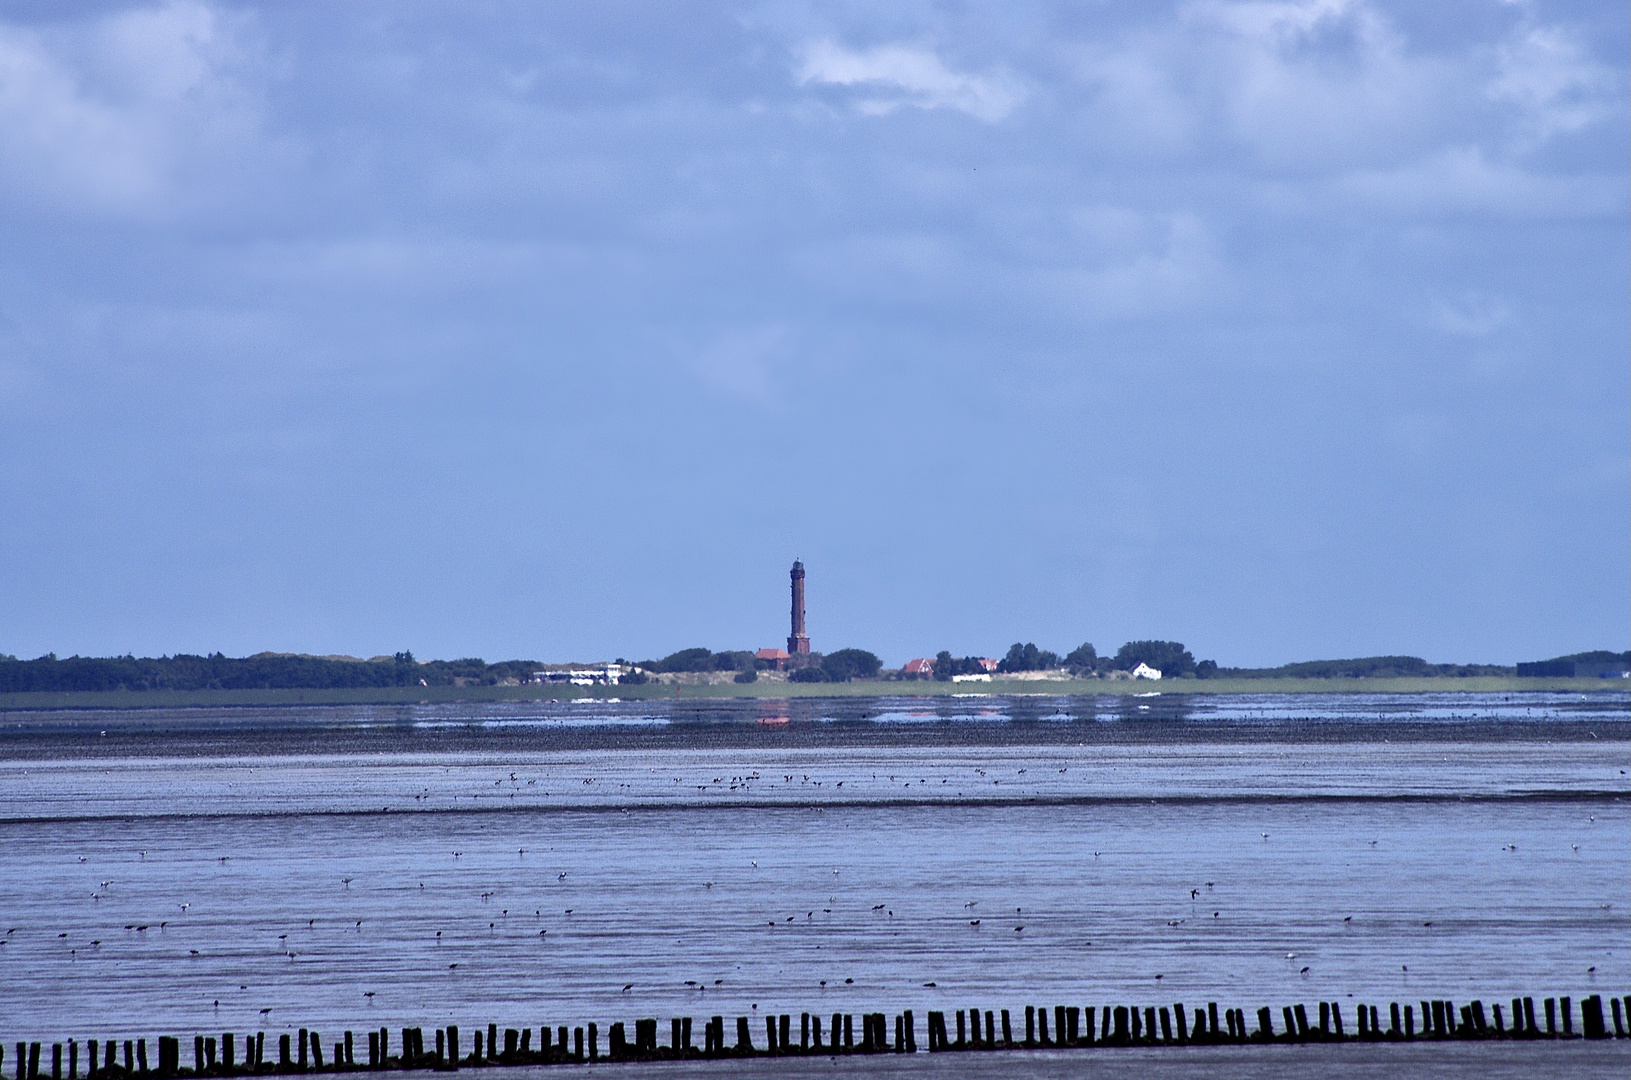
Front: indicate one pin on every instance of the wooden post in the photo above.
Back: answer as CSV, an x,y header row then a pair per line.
x,y
1087,1025
198,1052
685,1032
804,1031
744,1038
1302,1020
815,1031
73,1060
56,1061
1551,1017
1122,1035
373,1049
1619,1029
1059,1025
1393,1010
1166,1025
1567,1009
783,1035
1409,1022
1042,1022
911,1030
1265,1023
1591,1018
577,1043
1336,1017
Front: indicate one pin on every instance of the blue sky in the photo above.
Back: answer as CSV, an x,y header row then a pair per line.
x,y
1284,329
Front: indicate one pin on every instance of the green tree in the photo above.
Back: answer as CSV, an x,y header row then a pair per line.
x,y
1170,658
1083,658
846,664
1028,657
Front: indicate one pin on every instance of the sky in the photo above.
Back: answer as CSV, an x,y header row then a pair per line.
x,y
1287,330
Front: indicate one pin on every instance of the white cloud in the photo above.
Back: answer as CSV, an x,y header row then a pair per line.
x,y
896,75
109,113
1470,315
1464,179
739,360
1176,266
1557,88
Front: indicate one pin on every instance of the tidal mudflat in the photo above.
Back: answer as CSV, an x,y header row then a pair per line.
x,y
542,862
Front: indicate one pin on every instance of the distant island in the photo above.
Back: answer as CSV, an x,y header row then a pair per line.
x,y
50,681
275,678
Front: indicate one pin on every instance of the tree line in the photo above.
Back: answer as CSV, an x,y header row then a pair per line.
x,y
1170,658
263,671
841,665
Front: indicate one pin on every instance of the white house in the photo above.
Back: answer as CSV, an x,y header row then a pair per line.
x,y
1144,671
600,675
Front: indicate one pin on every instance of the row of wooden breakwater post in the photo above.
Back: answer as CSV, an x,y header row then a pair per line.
x,y
1073,1027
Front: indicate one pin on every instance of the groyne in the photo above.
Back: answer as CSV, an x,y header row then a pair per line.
x,y
977,1030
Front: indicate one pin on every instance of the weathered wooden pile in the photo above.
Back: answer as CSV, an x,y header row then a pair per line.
x,y
1072,1027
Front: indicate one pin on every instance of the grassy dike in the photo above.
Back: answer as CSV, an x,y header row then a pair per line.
x,y
407,695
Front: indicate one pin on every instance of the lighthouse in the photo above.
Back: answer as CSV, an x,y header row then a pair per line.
x,y
798,642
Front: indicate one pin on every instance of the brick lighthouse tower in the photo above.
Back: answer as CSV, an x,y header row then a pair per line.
x,y
798,642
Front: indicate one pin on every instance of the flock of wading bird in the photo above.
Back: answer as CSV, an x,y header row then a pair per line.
x,y
1072,1028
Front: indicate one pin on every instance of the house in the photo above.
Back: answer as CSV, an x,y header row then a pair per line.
x,y
776,658
1144,671
599,675
920,668
988,664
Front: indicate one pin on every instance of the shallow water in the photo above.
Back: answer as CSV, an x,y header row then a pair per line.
x,y
525,863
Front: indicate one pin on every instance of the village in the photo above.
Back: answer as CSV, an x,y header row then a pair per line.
x,y
799,663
